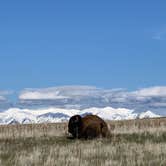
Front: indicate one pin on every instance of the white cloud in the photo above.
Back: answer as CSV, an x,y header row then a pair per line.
x,y
158,104
160,35
3,94
158,91
57,92
81,97
40,94
157,37
116,95
2,98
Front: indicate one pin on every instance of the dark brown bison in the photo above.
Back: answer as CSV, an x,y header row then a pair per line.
x,y
90,126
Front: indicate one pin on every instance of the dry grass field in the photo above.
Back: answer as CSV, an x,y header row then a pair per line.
x,y
132,143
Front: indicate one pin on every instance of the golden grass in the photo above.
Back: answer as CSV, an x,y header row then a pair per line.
x,y
132,143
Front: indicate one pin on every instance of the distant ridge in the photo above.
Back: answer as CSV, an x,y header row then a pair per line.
x,y
27,116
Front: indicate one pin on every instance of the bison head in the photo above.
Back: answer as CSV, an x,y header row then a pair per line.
x,y
75,125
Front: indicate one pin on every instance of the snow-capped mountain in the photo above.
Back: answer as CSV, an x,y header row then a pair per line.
x,y
24,116
147,114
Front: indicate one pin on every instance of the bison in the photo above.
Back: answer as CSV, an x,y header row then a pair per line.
x,y
88,127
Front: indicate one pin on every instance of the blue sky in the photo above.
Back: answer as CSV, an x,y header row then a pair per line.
x,y
108,44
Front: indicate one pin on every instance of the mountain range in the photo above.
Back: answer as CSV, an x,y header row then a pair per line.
x,y
57,104
25,116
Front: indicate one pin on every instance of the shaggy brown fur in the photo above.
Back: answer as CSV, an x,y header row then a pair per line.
x,y
90,126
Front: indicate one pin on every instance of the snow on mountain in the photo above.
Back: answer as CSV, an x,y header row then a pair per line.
x,y
52,117
110,113
16,115
148,114
23,116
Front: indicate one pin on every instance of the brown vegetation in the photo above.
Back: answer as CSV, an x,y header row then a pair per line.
x,y
132,143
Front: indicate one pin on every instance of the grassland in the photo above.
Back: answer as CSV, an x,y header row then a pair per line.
x,y
132,143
